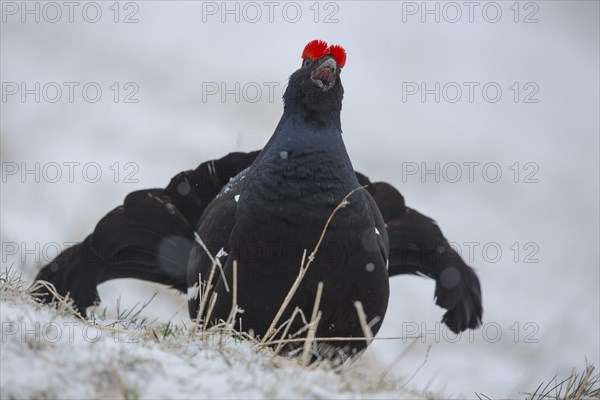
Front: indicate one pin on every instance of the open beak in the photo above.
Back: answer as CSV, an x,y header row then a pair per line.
x,y
324,76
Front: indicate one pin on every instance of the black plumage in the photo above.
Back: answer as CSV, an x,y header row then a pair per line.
x,y
263,210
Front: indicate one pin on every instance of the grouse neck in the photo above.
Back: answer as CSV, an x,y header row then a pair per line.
x,y
317,118
300,154
298,136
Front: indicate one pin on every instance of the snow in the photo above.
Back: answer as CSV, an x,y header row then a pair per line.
x,y
193,292
542,291
221,253
47,353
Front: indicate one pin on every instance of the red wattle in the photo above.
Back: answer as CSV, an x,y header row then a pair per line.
x,y
315,50
318,48
339,54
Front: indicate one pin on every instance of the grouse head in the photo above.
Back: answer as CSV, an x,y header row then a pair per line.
x,y
316,87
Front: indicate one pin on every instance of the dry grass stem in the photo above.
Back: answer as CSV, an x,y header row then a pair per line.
x,y
211,306
397,360
204,297
214,260
337,339
234,306
288,325
304,268
314,321
362,318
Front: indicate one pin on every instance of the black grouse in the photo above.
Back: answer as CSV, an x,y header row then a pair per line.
x,y
269,213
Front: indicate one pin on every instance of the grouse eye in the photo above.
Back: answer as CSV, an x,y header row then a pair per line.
x,y
307,62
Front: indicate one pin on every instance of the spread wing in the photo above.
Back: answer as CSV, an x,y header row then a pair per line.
x,y
417,246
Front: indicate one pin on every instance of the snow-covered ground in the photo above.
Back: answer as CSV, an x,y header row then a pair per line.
x,y
533,231
66,357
